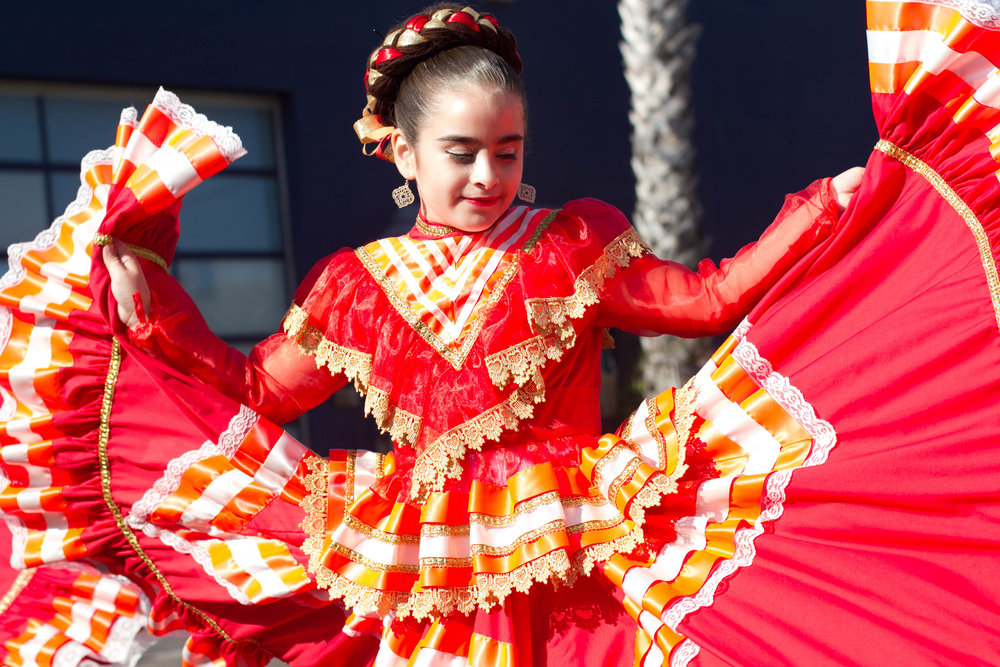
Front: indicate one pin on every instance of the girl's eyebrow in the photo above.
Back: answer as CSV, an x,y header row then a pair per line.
x,y
458,139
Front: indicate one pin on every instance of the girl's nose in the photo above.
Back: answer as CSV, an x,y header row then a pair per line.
x,y
484,172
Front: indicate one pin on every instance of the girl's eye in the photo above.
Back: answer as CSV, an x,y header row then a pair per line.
x,y
508,156
462,158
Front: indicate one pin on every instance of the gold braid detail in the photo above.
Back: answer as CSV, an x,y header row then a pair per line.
x,y
104,434
22,580
138,251
963,210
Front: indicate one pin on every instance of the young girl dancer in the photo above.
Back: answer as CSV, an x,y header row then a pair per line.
x,y
502,529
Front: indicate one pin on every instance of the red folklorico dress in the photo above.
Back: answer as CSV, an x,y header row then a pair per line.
x,y
822,492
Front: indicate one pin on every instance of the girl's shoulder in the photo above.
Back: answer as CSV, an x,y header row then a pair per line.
x,y
586,222
583,231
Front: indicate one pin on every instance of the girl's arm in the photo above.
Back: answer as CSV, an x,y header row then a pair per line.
x,y
654,296
276,380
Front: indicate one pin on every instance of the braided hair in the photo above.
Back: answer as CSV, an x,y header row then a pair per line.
x,y
440,49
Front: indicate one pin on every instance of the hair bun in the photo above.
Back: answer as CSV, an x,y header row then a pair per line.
x,y
423,36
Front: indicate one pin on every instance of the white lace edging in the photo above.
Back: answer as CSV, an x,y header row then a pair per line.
x,y
47,238
824,438
200,556
228,142
138,517
230,439
984,13
8,405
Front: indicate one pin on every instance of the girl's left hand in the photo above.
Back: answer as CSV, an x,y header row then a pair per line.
x,y
128,283
846,183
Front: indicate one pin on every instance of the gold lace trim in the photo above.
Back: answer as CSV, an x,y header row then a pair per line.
x,y
963,210
490,590
104,435
402,426
442,459
138,251
520,362
355,365
454,357
552,316
20,583
314,503
555,568
652,412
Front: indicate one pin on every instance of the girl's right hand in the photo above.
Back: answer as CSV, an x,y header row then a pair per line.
x,y
128,283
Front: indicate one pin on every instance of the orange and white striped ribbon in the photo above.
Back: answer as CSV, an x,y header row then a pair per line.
x,y
444,281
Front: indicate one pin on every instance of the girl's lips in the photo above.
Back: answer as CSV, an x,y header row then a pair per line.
x,y
482,201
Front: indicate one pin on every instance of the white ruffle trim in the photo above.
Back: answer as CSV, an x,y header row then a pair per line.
x,y
984,13
184,115
48,237
230,439
824,438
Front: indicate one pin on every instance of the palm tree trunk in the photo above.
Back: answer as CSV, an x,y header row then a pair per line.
x,y
658,49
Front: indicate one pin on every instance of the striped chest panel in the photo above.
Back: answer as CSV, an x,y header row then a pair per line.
x,y
444,287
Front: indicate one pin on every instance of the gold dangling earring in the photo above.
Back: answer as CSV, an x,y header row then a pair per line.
x,y
526,193
403,195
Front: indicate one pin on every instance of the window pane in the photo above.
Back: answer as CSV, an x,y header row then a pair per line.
x,y
20,135
77,126
236,296
256,129
232,213
64,188
23,213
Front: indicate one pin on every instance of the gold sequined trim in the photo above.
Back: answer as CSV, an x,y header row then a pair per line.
x,y
598,474
138,251
22,580
437,231
963,210
557,525
441,561
104,435
382,536
490,590
444,530
623,478
374,565
442,459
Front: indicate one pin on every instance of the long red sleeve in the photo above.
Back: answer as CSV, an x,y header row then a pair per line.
x,y
276,380
655,296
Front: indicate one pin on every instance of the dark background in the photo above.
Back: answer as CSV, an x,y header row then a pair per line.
x,y
780,97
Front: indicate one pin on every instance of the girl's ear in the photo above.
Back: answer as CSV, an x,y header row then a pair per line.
x,y
403,155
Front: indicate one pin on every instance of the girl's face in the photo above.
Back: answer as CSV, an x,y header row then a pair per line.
x,y
468,157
